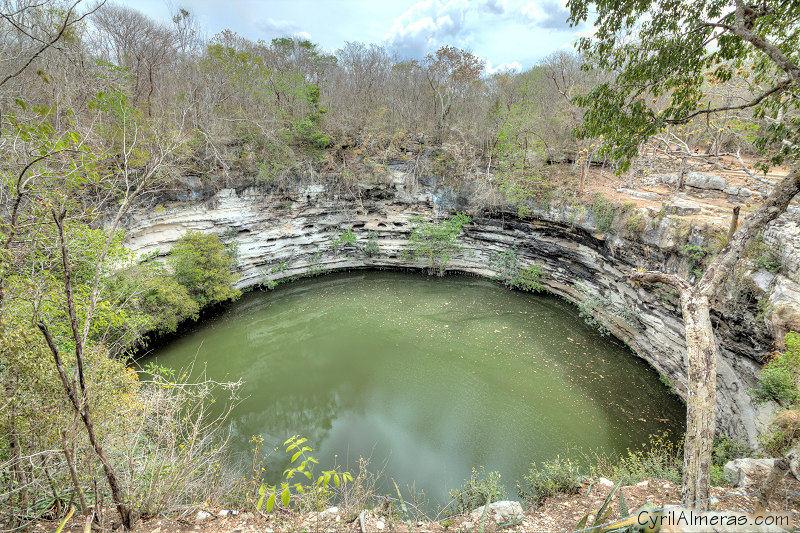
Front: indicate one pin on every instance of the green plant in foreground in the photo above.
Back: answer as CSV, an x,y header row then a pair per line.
x,y
479,489
552,477
317,491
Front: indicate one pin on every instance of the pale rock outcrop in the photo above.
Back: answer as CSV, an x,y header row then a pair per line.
x,y
286,233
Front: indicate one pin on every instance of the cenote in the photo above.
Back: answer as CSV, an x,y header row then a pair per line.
x,y
428,377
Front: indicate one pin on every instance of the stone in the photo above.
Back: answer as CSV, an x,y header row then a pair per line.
x,y
202,515
702,180
379,525
507,510
640,194
642,483
737,471
681,207
605,482
669,179
467,526
733,191
330,512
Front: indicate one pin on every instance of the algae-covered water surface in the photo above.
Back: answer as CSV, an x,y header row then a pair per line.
x,y
427,377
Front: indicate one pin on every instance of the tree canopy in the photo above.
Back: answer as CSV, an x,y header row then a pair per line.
x,y
668,53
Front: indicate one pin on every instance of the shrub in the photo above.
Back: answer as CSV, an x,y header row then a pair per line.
x,y
764,256
660,458
435,242
553,477
201,263
696,257
778,379
479,489
725,449
603,210
372,248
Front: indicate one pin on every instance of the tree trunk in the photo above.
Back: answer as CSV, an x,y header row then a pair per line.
x,y
701,363
734,222
776,475
682,175
701,349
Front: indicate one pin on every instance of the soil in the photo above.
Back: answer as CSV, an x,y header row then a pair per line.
x,y
560,513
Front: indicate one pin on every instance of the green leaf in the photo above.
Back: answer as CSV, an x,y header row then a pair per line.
x,y
285,496
271,502
296,455
336,479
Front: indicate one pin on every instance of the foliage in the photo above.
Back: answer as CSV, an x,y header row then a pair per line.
x,y
604,212
512,275
435,242
558,476
347,237
660,458
696,258
477,490
764,256
666,55
589,303
778,379
201,263
371,248
314,494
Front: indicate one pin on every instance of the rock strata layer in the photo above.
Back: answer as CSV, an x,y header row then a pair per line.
x,y
280,234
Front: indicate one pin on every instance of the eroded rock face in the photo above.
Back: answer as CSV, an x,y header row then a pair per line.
x,y
289,233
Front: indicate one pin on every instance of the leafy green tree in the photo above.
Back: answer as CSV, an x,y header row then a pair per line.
x,y
201,263
667,49
435,242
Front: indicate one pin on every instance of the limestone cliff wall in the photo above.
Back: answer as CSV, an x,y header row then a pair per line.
x,y
286,233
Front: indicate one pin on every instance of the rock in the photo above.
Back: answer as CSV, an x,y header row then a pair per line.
x,y
702,180
202,515
329,513
681,207
466,526
247,516
640,194
733,191
605,482
156,530
507,510
789,420
380,525
669,179
642,483
736,471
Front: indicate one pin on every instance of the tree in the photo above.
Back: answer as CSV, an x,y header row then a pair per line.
x,y
665,48
201,263
450,72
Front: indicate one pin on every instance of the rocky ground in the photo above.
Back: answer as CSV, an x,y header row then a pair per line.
x,y
558,514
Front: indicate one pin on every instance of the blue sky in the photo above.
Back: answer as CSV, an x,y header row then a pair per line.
x,y
506,33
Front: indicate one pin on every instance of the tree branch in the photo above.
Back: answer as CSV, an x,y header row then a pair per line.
x,y
652,276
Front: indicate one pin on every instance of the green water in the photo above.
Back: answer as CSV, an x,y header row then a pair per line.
x,y
427,377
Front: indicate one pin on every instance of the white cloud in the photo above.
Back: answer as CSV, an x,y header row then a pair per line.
x,y
502,67
427,25
547,14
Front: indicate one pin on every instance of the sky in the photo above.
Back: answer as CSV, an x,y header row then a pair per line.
x,y
505,33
